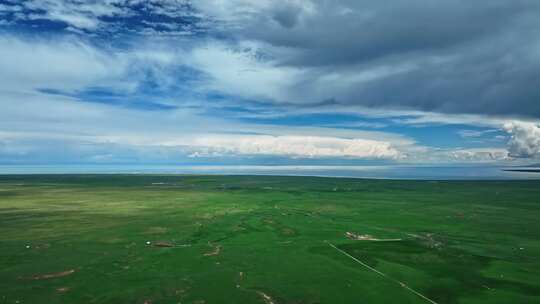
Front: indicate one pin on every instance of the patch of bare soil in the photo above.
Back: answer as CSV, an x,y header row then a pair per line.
x,y
267,299
429,239
366,237
287,231
358,237
163,244
239,227
240,279
53,275
216,251
42,246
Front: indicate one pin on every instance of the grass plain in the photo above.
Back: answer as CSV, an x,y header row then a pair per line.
x,y
266,239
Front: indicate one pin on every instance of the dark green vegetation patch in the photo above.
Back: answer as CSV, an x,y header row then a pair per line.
x,y
244,239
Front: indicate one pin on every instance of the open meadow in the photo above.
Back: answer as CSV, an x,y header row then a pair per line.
x,y
267,239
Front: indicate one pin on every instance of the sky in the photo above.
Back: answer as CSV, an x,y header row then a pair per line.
x,y
270,82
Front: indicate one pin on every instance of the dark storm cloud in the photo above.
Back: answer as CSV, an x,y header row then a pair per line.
x,y
287,15
485,81
467,56
350,31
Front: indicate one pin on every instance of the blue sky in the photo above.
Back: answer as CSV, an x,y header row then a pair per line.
x,y
269,82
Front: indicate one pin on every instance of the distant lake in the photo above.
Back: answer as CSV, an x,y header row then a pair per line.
x,y
386,172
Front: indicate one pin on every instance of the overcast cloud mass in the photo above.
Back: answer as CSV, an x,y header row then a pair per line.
x,y
284,82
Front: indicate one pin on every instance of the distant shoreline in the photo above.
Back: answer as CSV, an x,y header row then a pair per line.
x,y
531,170
366,172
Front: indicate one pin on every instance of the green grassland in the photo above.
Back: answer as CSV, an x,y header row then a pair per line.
x,y
261,239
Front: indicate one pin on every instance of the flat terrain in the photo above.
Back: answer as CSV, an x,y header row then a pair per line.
x,y
245,239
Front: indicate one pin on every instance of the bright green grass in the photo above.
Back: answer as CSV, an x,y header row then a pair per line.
x,y
463,242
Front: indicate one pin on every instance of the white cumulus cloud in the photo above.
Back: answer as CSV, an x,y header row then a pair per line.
x,y
525,139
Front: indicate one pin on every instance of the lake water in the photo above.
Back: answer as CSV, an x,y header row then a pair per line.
x,y
386,172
